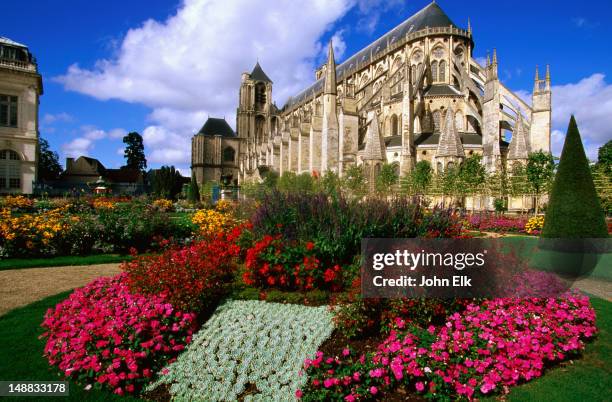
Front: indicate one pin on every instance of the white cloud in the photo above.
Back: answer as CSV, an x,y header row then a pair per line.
x,y
339,45
117,133
590,101
78,147
85,142
189,66
50,118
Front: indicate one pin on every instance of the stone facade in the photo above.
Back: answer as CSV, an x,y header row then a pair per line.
x,y
20,89
414,94
214,152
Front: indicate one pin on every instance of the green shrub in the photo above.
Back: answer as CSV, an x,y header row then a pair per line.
x,y
573,209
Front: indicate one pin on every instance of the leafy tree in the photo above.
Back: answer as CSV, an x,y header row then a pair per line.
x,y
517,183
354,181
604,155
49,167
574,210
471,176
167,182
449,183
193,194
386,179
540,172
419,179
329,183
134,151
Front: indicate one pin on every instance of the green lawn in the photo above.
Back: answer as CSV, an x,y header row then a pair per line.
x,y
17,263
21,351
588,378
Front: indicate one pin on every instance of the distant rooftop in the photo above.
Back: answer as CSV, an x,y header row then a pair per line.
x,y
7,41
216,126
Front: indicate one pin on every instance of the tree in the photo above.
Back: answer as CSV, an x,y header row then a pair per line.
x,y
419,179
604,155
472,175
134,152
386,178
354,181
49,167
540,172
574,210
193,194
167,182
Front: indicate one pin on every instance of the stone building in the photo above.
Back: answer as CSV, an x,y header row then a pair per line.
x,y
20,89
414,94
214,152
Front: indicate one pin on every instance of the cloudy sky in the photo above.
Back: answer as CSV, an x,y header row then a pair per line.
x,y
160,67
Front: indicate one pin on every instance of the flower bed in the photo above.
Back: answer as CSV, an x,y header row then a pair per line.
x,y
103,335
496,223
490,346
251,349
192,277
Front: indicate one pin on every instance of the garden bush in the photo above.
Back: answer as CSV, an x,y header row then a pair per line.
x,y
192,277
104,335
336,225
483,350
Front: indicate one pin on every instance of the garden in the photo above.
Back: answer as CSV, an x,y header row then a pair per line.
x,y
260,300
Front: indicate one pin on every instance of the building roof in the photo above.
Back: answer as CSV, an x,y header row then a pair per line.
x,y
430,16
123,175
258,74
215,126
443,90
6,41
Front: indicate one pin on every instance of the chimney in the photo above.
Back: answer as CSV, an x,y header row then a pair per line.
x,y
69,162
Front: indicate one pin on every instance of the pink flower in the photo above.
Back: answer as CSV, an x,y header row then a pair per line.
x,y
420,386
346,352
298,394
373,390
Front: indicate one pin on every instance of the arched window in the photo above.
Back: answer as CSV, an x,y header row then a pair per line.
x,y
459,121
260,95
439,167
394,125
436,121
442,73
434,71
229,154
318,109
10,170
450,165
413,72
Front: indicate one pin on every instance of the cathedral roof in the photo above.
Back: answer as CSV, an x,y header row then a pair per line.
x,y
214,126
258,74
518,143
430,16
7,41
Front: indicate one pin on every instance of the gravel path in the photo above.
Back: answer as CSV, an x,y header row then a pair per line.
x,y
20,287
597,287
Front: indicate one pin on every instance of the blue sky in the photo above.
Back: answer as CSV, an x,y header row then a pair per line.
x,y
160,67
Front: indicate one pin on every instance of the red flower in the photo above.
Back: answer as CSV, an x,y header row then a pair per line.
x,y
309,246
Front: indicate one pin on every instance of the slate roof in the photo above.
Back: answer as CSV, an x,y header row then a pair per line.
x,y
430,16
258,74
215,126
443,90
6,41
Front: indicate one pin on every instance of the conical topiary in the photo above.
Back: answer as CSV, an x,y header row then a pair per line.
x,y
574,210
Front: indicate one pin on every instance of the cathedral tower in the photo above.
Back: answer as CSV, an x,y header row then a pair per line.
x,y
253,119
539,133
329,131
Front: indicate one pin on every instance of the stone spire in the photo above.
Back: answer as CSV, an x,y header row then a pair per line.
x,y
330,71
469,27
450,143
548,77
374,147
518,144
